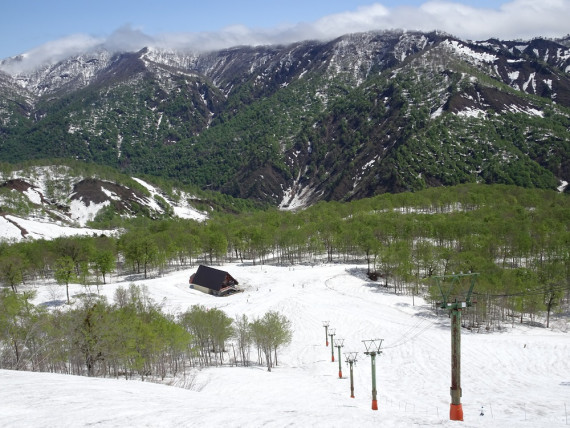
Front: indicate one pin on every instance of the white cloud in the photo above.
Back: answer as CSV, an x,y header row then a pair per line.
x,y
363,19
127,38
51,52
515,19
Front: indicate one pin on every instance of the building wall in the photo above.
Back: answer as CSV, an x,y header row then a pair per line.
x,y
203,289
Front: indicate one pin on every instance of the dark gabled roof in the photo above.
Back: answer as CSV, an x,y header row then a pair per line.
x,y
214,279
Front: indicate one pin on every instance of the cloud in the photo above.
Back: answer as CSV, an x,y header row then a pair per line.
x,y
512,20
123,39
51,52
363,19
127,38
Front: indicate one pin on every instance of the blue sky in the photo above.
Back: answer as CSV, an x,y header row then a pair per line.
x,y
56,26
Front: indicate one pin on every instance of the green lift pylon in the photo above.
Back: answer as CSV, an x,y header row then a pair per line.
x,y
326,326
455,307
351,360
373,348
332,334
339,344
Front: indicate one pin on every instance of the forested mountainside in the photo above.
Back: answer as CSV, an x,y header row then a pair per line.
x,y
42,199
291,125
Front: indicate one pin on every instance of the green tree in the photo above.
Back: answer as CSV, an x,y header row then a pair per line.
x,y
553,281
242,335
140,250
269,333
220,330
104,263
90,327
65,273
12,266
214,243
17,320
78,249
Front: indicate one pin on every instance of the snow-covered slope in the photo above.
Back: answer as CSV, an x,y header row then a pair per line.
x,y
13,228
518,376
61,204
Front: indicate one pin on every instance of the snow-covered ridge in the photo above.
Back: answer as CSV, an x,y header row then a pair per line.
x,y
182,209
468,53
77,71
60,204
353,54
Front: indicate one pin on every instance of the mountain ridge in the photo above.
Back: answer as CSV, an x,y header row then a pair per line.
x,y
330,120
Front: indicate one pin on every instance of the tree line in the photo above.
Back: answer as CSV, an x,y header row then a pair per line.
x,y
132,337
517,239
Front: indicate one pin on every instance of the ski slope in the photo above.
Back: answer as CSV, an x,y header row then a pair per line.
x,y
519,376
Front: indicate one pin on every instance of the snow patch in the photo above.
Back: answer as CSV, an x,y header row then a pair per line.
x,y
9,231
437,113
82,213
562,54
39,229
527,110
530,82
470,53
183,210
34,195
514,75
110,195
119,144
369,164
471,112
296,196
72,129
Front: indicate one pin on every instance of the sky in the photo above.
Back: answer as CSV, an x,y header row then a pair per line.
x,y
54,29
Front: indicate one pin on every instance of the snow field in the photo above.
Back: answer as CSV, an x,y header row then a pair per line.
x,y
519,376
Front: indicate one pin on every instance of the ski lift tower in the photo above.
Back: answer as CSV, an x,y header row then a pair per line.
x,y
351,360
373,348
339,344
332,334
455,297
326,326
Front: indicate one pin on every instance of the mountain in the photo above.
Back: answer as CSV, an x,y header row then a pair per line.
x,y
50,201
291,125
